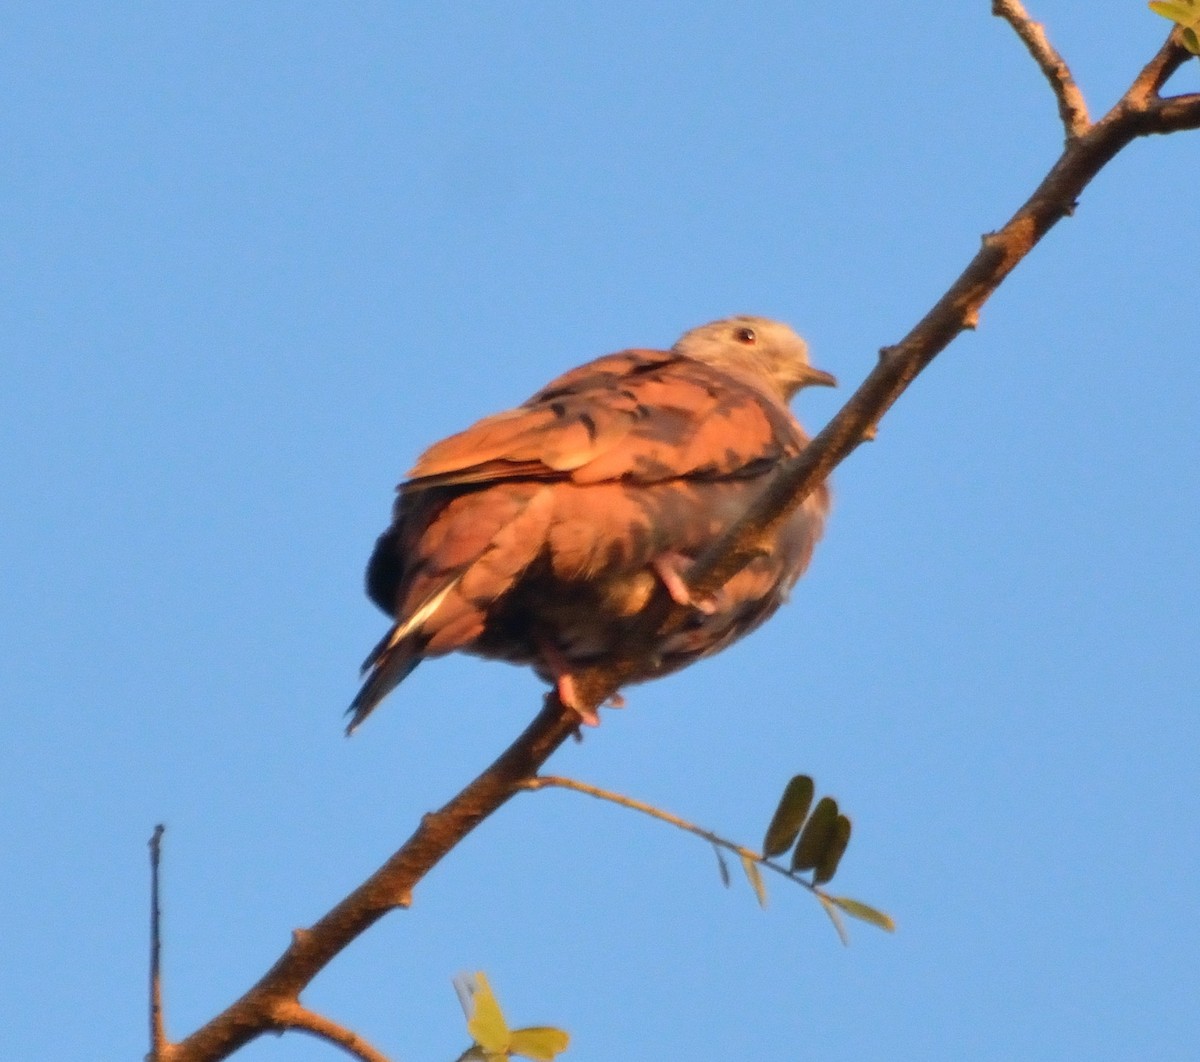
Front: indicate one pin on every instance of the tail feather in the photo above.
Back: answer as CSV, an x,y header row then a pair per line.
x,y
394,658
390,664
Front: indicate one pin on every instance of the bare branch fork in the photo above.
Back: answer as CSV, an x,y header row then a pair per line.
x,y
272,1004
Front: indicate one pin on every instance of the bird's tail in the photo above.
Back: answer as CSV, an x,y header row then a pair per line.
x,y
390,663
394,658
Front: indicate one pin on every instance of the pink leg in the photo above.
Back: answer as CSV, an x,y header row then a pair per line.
x,y
670,568
564,683
570,698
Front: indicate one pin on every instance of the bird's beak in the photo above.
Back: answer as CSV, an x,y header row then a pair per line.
x,y
817,378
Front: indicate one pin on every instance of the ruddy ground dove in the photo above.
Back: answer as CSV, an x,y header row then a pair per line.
x,y
539,534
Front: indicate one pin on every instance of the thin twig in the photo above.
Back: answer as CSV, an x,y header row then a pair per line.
x,y
158,1035
546,781
296,1016
1072,108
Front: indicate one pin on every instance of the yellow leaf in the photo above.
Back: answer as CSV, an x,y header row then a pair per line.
x,y
1186,15
864,913
1181,11
754,876
486,1023
827,904
542,1043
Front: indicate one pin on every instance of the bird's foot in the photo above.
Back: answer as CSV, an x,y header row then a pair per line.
x,y
564,685
567,693
671,568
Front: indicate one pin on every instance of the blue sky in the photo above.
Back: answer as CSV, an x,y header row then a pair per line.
x,y
257,256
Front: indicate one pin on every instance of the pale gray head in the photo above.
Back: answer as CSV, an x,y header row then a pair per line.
x,y
768,350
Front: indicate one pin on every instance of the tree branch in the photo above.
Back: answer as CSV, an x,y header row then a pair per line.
x,y
389,887
1072,109
301,1019
1176,114
1155,74
158,1034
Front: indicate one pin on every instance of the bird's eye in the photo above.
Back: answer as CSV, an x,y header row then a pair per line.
x,y
745,335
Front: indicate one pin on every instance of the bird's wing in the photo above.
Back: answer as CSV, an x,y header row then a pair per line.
x,y
639,417
635,456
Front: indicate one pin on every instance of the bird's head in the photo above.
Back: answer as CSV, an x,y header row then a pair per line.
x,y
767,350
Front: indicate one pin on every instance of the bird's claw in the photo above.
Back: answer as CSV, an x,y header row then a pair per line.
x,y
670,568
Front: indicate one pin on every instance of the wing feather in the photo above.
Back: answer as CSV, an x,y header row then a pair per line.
x,y
640,417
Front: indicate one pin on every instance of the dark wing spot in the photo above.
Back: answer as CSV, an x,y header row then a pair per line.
x,y
589,423
649,470
647,366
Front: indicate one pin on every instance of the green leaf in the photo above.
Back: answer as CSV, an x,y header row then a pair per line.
x,y
828,904
863,912
816,835
754,876
542,1043
486,1023
836,848
722,866
789,816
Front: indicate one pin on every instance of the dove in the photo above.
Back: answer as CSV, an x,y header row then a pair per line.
x,y
538,535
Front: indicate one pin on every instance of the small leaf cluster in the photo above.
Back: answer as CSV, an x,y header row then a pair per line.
x,y
820,842
1186,15
817,837
494,1041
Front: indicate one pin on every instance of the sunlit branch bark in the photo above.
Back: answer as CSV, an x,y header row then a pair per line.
x,y
1072,109
1156,73
158,1033
1175,114
291,1015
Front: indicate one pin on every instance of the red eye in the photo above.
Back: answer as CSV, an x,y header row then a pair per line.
x,y
745,335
